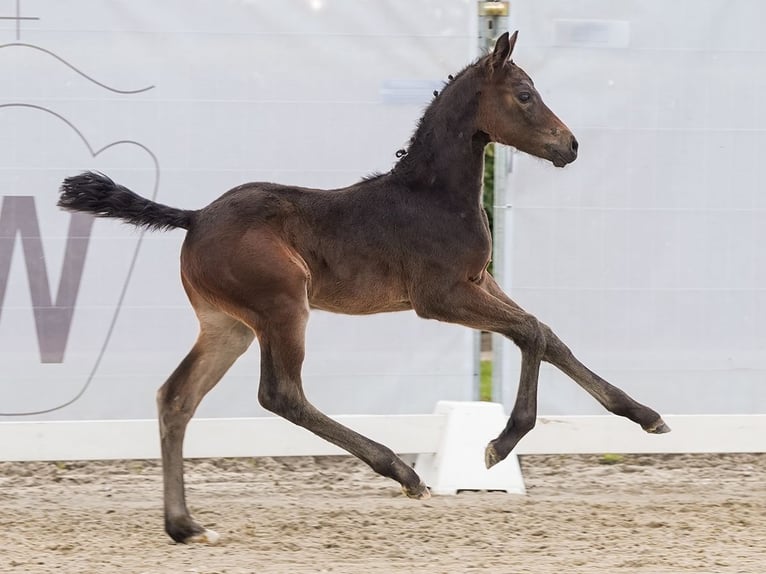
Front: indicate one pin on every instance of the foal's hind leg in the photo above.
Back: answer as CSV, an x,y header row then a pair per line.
x,y
221,340
281,337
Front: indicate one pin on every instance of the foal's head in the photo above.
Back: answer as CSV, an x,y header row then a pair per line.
x,y
511,111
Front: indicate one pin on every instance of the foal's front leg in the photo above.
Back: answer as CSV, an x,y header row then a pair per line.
x,y
471,305
485,306
615,400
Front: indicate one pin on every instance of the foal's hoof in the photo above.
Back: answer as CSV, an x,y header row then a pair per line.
x,y
184,530
491,458
420,492
657,427
205,537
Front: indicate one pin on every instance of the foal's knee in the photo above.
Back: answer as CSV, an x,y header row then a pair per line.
x,y
556,351
531,336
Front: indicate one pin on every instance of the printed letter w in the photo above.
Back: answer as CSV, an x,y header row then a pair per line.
x,y
18,217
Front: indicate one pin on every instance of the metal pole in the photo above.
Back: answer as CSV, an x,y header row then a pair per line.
x,y
493,21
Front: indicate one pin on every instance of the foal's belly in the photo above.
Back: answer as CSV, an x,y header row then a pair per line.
x,y
360,307
359,297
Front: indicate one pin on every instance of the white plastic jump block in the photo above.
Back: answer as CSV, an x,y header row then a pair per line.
x,y
458,463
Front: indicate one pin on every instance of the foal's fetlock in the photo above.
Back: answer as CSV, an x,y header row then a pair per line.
x,y
420,492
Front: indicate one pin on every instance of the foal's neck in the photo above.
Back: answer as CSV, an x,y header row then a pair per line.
x,y
446,154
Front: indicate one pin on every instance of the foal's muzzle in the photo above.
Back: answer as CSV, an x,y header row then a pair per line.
x,y
565,153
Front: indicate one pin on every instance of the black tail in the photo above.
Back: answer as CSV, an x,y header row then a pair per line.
x,y
95,193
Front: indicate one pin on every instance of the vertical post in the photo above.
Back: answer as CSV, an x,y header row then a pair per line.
x,y
493,21
501,269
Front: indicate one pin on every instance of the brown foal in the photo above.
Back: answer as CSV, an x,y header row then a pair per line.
x,y
259,258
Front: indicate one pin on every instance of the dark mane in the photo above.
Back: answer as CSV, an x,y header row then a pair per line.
x,y
455,105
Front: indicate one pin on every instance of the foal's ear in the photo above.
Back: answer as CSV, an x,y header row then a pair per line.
x,y
503,50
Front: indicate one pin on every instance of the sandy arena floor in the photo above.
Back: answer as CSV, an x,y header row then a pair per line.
x,y
658,514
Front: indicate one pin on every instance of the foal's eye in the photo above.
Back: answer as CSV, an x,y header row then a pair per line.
x,y
525,96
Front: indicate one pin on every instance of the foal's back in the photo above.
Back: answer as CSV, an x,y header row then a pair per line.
x,y
345,247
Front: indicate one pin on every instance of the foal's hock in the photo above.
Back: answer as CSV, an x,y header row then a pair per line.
x,y
257,259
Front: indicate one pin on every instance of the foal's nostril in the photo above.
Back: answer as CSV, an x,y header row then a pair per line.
x,y
574,144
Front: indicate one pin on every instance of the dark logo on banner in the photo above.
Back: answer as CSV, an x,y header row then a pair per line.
x,y
53,316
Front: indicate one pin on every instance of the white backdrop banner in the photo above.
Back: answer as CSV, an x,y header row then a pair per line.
x,y
646,255
181,100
